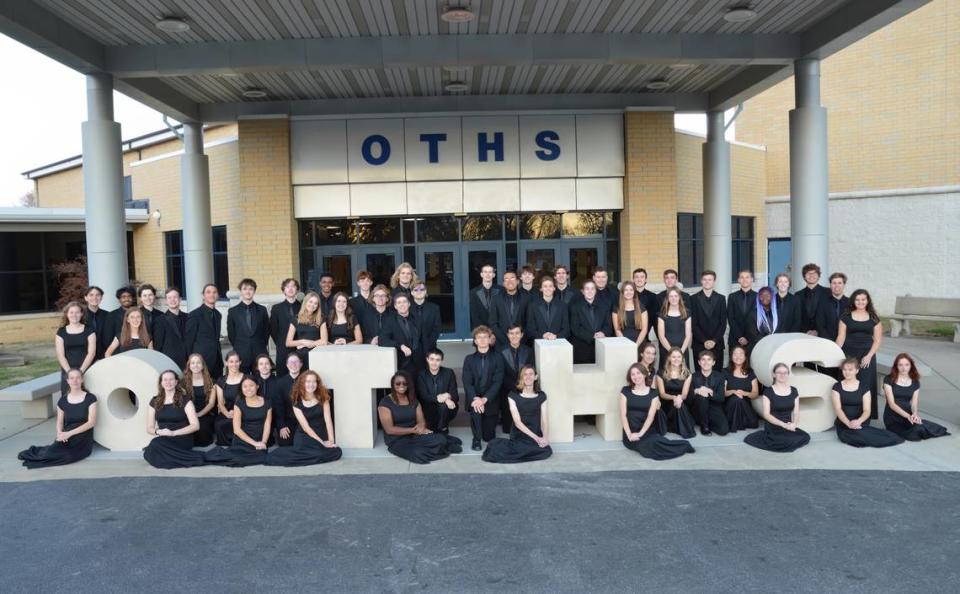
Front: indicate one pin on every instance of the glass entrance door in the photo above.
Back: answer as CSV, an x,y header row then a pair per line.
x,y
437,266
581,260
378,261
336,261
544,256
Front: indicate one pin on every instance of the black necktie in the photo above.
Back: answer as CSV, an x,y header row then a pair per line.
x,y
249,319
516,358
93,320
512,301
837,305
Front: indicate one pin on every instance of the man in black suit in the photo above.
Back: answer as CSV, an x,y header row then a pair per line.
x,y
648,299
127,298
248,326
564,292
708,310
326,293
828,315
427,315
481,297
401,332
589,320
670,278
482,381
548,317
203,331
739,305
437,393
170,330
607,294
147,295
97,318
374,319
281,316
509,307
515,356
811,297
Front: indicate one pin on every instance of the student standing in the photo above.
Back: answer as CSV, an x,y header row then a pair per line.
x,y
788,305
377,316
674,326
628,318
548,317
589,320
739,304
648,299
326,293
403,280
781,416
852,404
832,308
362,298
607,294
515,354
126,297
527,281
763,319
481,297
859,335
76,416
403,334
642,433
708,309
172,420
148,298
281,316
97,318
564,292
508,307
307,331
670,278
482,381
529,438
342,326
427,315
75,343
315,442
203,330
133,334
810,298
437,392
248,326
170,330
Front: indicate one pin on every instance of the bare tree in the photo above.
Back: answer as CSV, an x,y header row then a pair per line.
x,y
28,199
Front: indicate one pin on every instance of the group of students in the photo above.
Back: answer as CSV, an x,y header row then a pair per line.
x,y
246,406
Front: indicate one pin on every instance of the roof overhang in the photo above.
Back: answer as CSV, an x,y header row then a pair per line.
x,y
30,216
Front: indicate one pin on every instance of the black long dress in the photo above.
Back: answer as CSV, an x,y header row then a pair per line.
x,y
74,351
241,453
223,426
857,344
903,396
172,451
204,436
679,420
337,331
674,330
652,444
306,451
75,449
740,412
774,438
851,402
419,449
305,332
630,329
520,447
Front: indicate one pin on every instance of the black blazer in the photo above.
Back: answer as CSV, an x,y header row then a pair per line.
x,y
788,312
650,302
203,337
828,316
480,305
150,318
428,318
511,372
610,296
169,337
373,323
709,318
279,394
248,341
500,315
483,376
542,318
429,385
810,301
281,316
739,305
394,336
99,321
114,324
586,319
568,294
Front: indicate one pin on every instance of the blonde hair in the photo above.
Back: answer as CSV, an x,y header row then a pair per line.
x,y
395,279
684,371
304,317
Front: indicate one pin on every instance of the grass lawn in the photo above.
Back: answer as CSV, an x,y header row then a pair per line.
x,y
920,328
34,368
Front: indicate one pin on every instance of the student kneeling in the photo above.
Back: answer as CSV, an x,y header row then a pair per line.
x,y
528,437
314,442
172,418
251,429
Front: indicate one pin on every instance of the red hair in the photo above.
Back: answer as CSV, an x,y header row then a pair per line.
x,y
913,374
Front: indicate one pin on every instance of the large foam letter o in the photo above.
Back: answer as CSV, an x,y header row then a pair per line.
x,y
121,425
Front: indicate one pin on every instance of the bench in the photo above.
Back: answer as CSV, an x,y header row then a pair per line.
x,y
35,396
927,309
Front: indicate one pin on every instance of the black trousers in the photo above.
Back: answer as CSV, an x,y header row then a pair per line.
x,y
709,414
484,426
506,419
438,416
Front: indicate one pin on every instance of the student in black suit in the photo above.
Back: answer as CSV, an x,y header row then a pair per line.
x,y
831,310
248,326
281,316
648,299
326,293
788,305
811,297
401,332
97,318
402,281
126,296
374,319
548,317
482,381
437,393
564,292
427,315
528,277
203,331
515,356
708,310
362,298
284,421
148,297
670,278
589,320
508,307
607,295
481,297
738,308
170,330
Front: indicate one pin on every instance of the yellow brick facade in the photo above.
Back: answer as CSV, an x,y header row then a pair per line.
x,y
29,328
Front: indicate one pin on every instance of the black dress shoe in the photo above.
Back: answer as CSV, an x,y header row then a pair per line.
x,y
476,445
705,431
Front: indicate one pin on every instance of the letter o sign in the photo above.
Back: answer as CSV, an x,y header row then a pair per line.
x,y
383,146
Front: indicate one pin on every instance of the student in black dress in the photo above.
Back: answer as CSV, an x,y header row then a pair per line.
x,y
674,327
363,296
97,318
788,305
403,334
284,423
228,392
508,307
248,326
172,419
528,277
548,317
670,278
326,293
639,405
515,354
126,297
902,413
203,330
133,334
708,309
648,299
281,316
341,326
437,392
529,437
76,416
810,298
170,330
781,416
198,384
565,292
147,294
589,320
481,296
403,280
607,294
404,428
708,397
673,386
427,315
482,382
306,332
763,319
252,420
75,343
628,318
851,403
741,388
739,304
648,363
377,315
859,335
315,442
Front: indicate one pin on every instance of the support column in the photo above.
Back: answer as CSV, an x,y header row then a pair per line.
x,y
104,215
195,197
717,250
809,222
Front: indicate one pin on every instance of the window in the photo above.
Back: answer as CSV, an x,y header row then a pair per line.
x,y
690,236
742,233
28,281
221,273
173,247
176,276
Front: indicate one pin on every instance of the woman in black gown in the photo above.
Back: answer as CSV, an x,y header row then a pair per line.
x,y
133,334
851,402
341,325
902,414
76,416
305,332
228,392
859,335
648,363
315,442
251,430
75,343
199,386
639,405
673,385
404,428
172,418
674,327
742,388
630,320
528,438
781,416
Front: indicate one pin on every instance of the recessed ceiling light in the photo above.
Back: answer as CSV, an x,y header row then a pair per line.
x,y
682,66
456,85
173,24
455,69
739,14
456,14
254,93
657,84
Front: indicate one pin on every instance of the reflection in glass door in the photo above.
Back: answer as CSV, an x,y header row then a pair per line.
x,y
542,256
337,263
438,270
582,261
380,262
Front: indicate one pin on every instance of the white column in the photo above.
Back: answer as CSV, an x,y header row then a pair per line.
x,y
103,191
195,197
717,250
809,223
